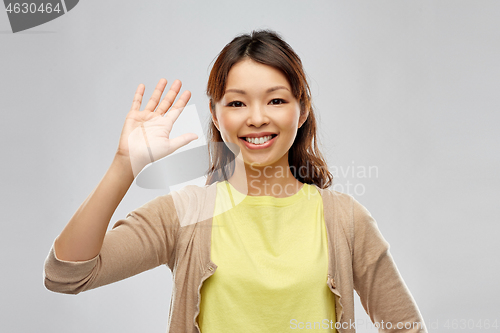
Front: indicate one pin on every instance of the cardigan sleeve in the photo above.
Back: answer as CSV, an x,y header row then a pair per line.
x,y
145,239
383,293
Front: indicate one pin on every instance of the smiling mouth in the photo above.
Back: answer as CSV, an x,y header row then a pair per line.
x,y
260,140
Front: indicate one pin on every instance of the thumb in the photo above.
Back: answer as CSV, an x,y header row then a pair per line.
x,y
182,140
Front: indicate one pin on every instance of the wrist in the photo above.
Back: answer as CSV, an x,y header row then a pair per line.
x,y
132,166
121,164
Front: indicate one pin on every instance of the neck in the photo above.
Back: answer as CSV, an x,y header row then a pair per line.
x,y
272,180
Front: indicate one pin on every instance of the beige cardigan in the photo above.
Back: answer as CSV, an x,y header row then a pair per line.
x,y
175,229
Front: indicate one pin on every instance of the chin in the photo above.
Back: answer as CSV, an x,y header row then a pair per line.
x,y
259,163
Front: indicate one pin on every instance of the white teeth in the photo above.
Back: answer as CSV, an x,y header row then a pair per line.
x,y
259,141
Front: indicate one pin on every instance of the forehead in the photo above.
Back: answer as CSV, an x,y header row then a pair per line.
x,y
250,74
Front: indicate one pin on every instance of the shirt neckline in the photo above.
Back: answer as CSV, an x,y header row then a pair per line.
x,y
263,200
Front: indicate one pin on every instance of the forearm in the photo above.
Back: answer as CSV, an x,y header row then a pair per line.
x,y
83,236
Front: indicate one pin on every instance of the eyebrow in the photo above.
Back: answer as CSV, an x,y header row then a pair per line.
x,y
243,92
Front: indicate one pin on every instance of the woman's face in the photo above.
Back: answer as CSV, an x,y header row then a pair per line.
x,y
258,103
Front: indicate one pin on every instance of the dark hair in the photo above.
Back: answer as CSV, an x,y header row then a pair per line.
x,y
268,48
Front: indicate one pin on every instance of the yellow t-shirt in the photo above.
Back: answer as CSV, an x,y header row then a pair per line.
x,y
272,258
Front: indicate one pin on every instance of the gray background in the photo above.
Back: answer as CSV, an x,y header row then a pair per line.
x,y
409,87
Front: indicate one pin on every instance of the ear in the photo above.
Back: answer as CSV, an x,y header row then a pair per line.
x,y
303,117
214,117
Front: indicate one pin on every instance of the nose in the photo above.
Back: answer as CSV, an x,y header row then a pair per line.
x,y
257,116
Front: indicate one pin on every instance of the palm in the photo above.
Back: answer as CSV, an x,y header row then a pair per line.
x,y
146,134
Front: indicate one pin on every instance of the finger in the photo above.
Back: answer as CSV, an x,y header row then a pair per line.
x,y
136,103
181,140
177,108
169,97
155,97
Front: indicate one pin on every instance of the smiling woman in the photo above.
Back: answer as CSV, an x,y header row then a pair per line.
x,y
261,77
265,246
261,116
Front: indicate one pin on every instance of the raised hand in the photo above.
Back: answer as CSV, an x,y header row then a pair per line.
x,y
145,134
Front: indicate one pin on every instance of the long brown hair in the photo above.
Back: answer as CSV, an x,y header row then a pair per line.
x,y
268,48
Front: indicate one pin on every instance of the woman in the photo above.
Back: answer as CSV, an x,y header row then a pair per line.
x,y
264,246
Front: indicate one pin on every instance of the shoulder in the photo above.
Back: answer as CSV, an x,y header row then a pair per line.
x,y
192,194
353,217
194,203
345,203
337,202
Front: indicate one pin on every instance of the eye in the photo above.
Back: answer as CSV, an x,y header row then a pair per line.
x,y
277,101
236,104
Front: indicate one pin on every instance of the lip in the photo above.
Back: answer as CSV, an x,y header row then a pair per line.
x,y
257,135
253,146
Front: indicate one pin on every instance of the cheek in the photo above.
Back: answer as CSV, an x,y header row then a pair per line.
x,y
227,126
291,121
